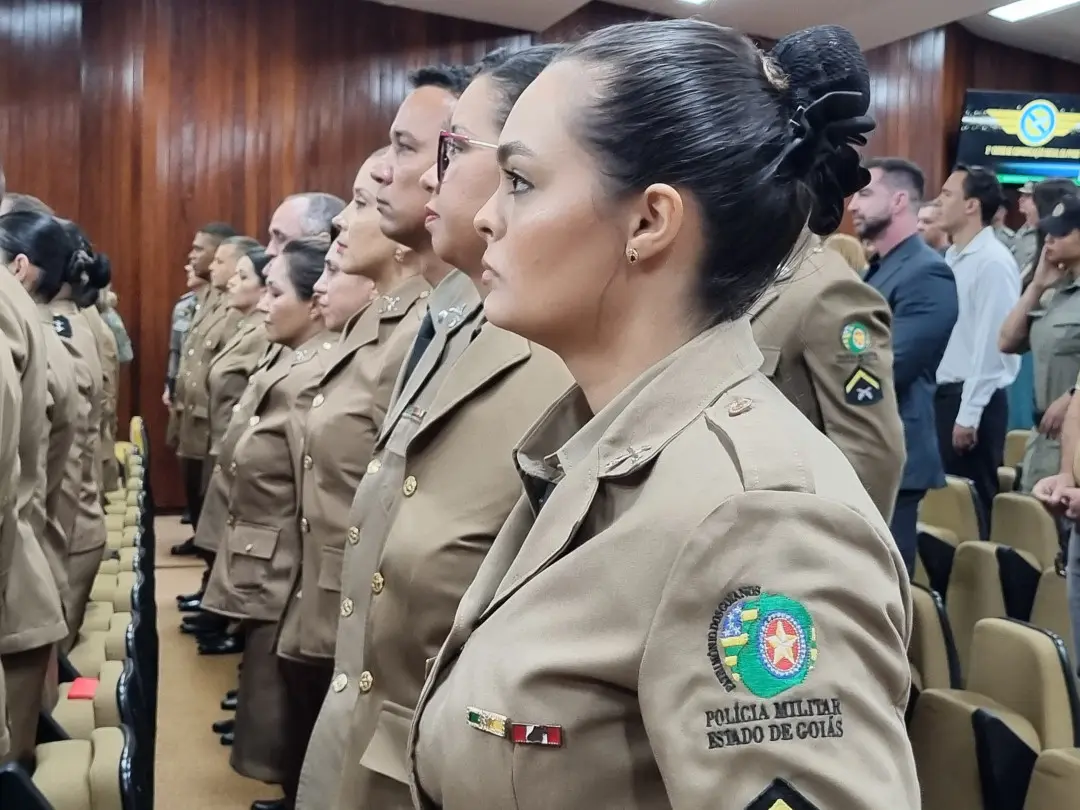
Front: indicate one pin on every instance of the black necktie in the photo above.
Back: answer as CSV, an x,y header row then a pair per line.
x,y
423,340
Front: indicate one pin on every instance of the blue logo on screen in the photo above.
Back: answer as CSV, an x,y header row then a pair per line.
x,y
1038,120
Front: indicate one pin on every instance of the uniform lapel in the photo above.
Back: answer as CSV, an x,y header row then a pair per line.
x,y
492,353
360,331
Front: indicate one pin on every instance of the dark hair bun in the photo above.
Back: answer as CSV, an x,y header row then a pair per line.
x,y
829,91
89,271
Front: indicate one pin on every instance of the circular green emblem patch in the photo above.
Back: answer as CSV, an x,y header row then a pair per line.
x,y
769,643
855,337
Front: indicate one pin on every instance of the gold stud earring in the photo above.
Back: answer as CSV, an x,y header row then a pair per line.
x,y
631,255
399,255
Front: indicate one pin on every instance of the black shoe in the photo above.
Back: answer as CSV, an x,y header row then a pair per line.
x,y
185,549
270,804
232,693
185,519
204,624
224,726
190,605
187,597
229,704
226,645
227,738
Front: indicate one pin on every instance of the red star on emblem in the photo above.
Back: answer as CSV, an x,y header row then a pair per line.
x,y
782,644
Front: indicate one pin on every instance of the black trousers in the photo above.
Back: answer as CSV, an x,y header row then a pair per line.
x,y
981,462
904,525
194,489
305,689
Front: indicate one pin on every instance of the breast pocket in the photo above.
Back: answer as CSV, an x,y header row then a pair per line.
x,y
1067,336
251,548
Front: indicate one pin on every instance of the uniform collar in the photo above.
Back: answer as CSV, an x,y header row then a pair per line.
x,y
982,239
453,301
646,415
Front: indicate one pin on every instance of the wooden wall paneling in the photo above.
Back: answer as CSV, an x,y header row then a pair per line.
x,y
590,17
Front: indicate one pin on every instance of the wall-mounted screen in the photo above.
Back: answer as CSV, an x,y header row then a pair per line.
x,y
1021,136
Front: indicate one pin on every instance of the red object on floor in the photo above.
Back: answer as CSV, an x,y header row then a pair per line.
x,y
83,689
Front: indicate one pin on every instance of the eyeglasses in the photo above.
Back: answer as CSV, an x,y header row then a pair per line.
x,y
450,143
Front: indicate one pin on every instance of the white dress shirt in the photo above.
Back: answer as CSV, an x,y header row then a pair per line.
x,y
988,287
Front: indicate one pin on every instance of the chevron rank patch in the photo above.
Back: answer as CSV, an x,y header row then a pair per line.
x,y
780,795
862,388
62,326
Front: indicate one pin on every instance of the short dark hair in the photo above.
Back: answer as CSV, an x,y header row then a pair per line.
x,y
902,172
304,260
452,78
701,108
259,260
1048,193
219,230
981,184
26,202
243,244
512,71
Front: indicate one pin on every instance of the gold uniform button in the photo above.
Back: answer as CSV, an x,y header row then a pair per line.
x,y
236,407
378,582
341,680
374,466
353,535
366,681
319,400
250,547
232,467
190,352
231,521
409,487
304,525
424,294
209,343
309,462
346,607
740,406
328,345
253,421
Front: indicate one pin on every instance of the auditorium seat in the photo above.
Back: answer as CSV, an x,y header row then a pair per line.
x,y
1021,522
1008,479
952,507
83,774
1015,447
1051,610
934,556
932,651
1055,781
980,744
988,581
79,716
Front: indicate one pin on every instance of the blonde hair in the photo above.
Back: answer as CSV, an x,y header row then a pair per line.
x,y
850,249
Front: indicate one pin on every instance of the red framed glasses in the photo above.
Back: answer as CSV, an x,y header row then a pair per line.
x,y
450,144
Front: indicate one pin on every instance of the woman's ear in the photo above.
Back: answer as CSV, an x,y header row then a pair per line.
x,y
656,219
22,268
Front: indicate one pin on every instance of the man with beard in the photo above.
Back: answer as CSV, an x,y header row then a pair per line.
x,y
921,291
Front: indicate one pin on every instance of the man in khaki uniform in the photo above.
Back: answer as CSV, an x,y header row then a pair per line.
x,y
33,617
192,417
825,336
10,418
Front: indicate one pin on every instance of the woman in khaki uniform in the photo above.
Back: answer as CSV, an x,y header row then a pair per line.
x,y
108,475
252,502
32,613
10,416
694,604
441,482
337,437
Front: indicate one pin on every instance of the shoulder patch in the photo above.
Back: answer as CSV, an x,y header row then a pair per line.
x,y
62,326
780,795
855,337
862,388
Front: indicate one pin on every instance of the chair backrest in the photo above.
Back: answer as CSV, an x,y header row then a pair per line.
x,y
1055,780
1025,669
936,548
1051,610
932,651
952,507
137,434
1015,447
974,594
1020,521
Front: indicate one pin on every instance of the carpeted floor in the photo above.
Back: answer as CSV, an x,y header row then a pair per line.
x,y
192,770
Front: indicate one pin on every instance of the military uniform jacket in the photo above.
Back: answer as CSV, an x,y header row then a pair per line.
x,y
109,355
32,615
62,417
434,497
10,418
694,605
229,371
255,484
212,327
825,336
334,448
81,478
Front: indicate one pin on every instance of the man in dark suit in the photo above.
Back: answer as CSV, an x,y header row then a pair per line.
x,y
921,291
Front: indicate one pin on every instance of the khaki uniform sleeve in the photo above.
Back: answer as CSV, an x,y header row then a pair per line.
x,y
855,390
10,420
775,668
